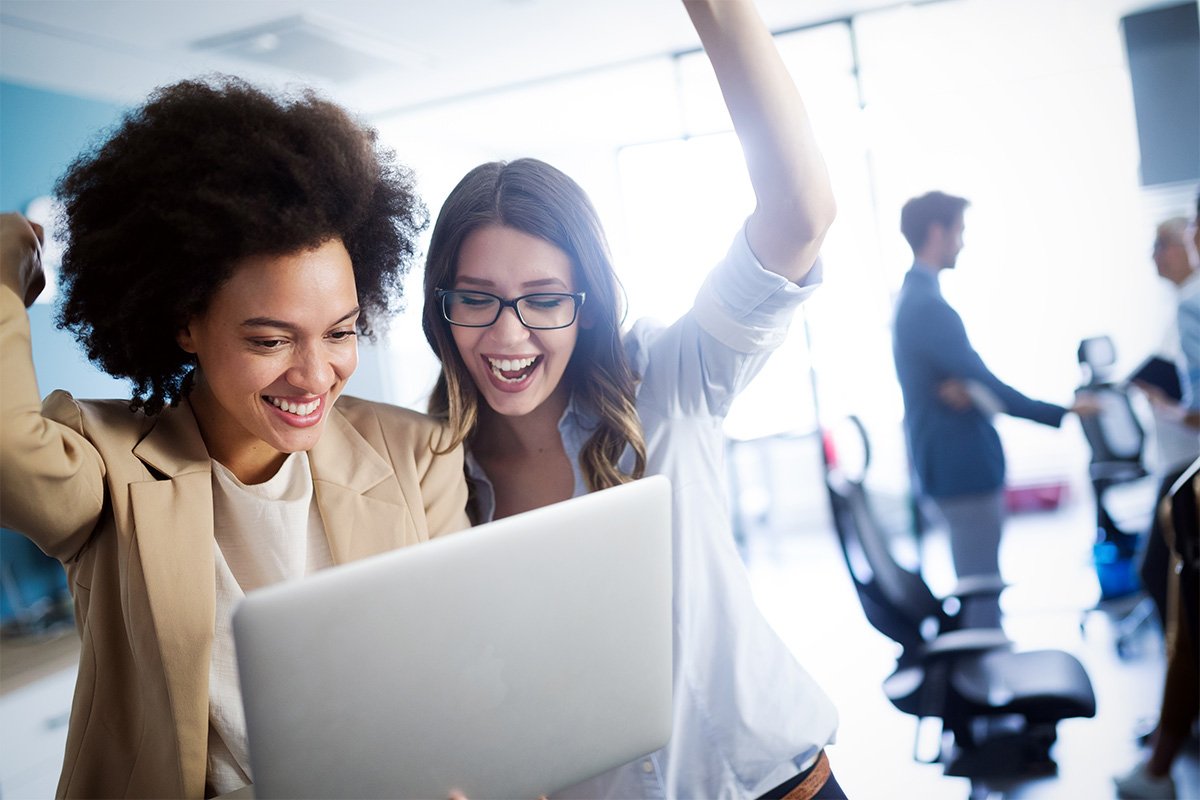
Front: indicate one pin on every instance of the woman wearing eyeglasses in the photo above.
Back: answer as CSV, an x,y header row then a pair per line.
x,y
523,309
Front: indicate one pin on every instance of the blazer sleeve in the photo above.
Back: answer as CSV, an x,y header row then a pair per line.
x,y
51,476
941,339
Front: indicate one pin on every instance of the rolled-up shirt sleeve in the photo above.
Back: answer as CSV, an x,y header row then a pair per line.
x,y
699,364
747,307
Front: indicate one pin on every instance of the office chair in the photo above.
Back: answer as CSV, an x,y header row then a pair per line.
x,y
1115,436
1117,442
998,708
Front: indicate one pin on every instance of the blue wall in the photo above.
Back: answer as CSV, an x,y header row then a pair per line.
x,y
40,134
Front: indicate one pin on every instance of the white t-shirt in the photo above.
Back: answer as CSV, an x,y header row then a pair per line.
x,y
263,534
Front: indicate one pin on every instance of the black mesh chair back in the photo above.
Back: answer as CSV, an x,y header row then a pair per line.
x,y
895,600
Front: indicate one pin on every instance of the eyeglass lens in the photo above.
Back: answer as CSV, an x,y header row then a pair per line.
x,y
544,310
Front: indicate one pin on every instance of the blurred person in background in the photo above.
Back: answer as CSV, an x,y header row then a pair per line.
x,y
950,398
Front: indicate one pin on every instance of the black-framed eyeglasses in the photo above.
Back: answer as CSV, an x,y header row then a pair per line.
x,y
540,311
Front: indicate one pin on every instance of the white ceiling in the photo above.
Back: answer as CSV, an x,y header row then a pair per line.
x,y
425,51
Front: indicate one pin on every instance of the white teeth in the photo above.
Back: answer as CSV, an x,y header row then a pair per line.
x,y
509,364
502,365
299,409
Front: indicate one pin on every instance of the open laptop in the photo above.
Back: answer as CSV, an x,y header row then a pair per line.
x,y
510,660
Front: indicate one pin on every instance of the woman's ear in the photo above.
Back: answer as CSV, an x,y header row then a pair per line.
x,y
184,338
587,319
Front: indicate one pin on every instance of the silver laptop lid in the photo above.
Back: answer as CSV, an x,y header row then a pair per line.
x,y
510,660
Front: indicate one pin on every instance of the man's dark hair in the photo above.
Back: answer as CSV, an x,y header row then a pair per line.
x,y
205,174
921,212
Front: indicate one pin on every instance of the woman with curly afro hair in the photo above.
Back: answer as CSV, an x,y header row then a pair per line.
x,y
225,247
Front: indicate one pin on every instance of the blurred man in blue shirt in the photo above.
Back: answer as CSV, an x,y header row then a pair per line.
x,y
950,397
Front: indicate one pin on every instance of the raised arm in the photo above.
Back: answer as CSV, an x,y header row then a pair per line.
x,y
795,204
21,257
51,478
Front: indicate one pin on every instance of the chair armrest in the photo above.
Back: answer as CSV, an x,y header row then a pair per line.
x,y
973,585
967,641
1116,471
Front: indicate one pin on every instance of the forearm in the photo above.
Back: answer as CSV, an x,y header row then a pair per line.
x,y
795,204
51,485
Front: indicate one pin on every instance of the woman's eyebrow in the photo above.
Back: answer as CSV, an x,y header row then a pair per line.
x,y
269,322
534,284
474,281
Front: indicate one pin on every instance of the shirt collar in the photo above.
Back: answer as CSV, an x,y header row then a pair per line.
x,y
928,269
1191,285
575,422
577,416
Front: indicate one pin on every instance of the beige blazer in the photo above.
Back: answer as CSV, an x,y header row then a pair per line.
x,y
125,502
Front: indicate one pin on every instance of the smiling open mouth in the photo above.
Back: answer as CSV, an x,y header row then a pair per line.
x,y
299,409
513,370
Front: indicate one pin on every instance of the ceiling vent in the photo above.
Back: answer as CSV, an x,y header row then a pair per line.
x,y
314,46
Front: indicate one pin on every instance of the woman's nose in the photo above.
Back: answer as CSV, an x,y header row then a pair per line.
x,y
315,370
508,328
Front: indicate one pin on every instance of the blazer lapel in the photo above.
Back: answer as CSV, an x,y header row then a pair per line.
x,y
173,521
359,497
361,505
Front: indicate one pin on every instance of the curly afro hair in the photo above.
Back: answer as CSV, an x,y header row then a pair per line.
x,y
206,173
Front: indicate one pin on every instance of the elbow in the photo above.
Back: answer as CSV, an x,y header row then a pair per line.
x,y
822,208
830,207
809,215
787,236
824,213
811,222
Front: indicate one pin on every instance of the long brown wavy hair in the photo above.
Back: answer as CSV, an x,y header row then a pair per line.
x,y
533,197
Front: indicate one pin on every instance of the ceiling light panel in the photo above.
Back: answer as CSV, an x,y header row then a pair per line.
x,y
315,46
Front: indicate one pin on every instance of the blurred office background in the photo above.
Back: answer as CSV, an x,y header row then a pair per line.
x,y
1073,126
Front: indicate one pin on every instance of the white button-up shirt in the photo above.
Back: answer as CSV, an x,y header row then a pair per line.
x,y
747,716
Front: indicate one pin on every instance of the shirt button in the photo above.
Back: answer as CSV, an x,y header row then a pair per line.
x,y
647,766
